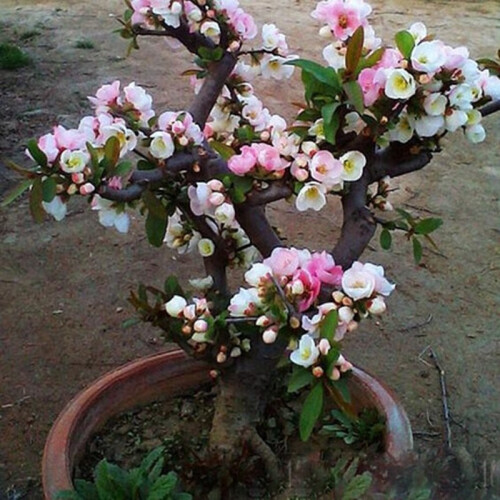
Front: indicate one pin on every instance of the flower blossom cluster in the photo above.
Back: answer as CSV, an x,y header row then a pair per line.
x,y
359,291
439,83
72,155
208,20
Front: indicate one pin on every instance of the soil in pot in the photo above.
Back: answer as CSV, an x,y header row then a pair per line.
x,y
324,467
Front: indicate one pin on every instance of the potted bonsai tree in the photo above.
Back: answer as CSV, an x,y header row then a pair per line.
x,y
203,176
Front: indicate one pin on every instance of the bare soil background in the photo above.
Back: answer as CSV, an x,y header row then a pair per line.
x,y
63,286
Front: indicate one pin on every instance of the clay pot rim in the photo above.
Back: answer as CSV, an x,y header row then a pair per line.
x,y
168,374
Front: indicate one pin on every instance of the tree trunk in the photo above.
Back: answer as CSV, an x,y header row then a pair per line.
x,y
240,405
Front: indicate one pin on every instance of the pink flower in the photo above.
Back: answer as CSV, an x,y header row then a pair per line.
x,y
283,261
342,18
372,82
322,266
243,24
326,169
244,162
106,96
269,158
69,139
47,143
311,288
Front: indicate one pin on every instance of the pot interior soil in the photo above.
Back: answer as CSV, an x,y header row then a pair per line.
x,y
319,468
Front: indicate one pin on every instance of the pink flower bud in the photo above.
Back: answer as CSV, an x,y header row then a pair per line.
x,y
216,199
263,321
317,371
200,326
377,306
269,336
353,325
215,185
72,189
221,357
87,188
338,297
213,374
324,346
77,178
335,374
186,330
189,312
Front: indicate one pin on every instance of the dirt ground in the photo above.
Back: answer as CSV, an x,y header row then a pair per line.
x,y
63,286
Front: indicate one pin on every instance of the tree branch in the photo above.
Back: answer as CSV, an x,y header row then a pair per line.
x,y
490,108
396,160
192,41
212,87
277,190
358,226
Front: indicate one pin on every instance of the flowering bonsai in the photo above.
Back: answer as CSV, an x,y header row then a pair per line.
x,y
203,176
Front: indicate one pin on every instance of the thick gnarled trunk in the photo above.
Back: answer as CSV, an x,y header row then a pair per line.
x,y
243,394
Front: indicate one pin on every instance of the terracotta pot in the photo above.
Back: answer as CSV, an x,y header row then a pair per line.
x,y
169,374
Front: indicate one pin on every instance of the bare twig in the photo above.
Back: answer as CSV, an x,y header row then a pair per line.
x,y
444,395
490,108
418,325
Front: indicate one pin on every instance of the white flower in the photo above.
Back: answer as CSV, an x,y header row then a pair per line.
x,y
210,29
461,96
175,306
475,133
353,162
258,273
377,306
57,208
74,161
206,247
162,145
109,216
400,84
428,57
435,104
307,352
358,284
202,284
403,130
225,214
427,126
275,67
418,31
245,302
334,55
311,196
455,119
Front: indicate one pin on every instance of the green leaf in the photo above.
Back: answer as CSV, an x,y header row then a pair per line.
x,y
313,405
354,50
385,239
163,487
357,488
68,495
208,54
154,205
86,489
172,287
370,60
299,379
123,168
224,150
417,250
130,322
326,75
405,43
112,152
421,493
16,191
36,198
49,189
308,115
427,226
38,155
156,227
127,16
111,481
331,121
342,388
182,496
355,95
329,325
240,187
